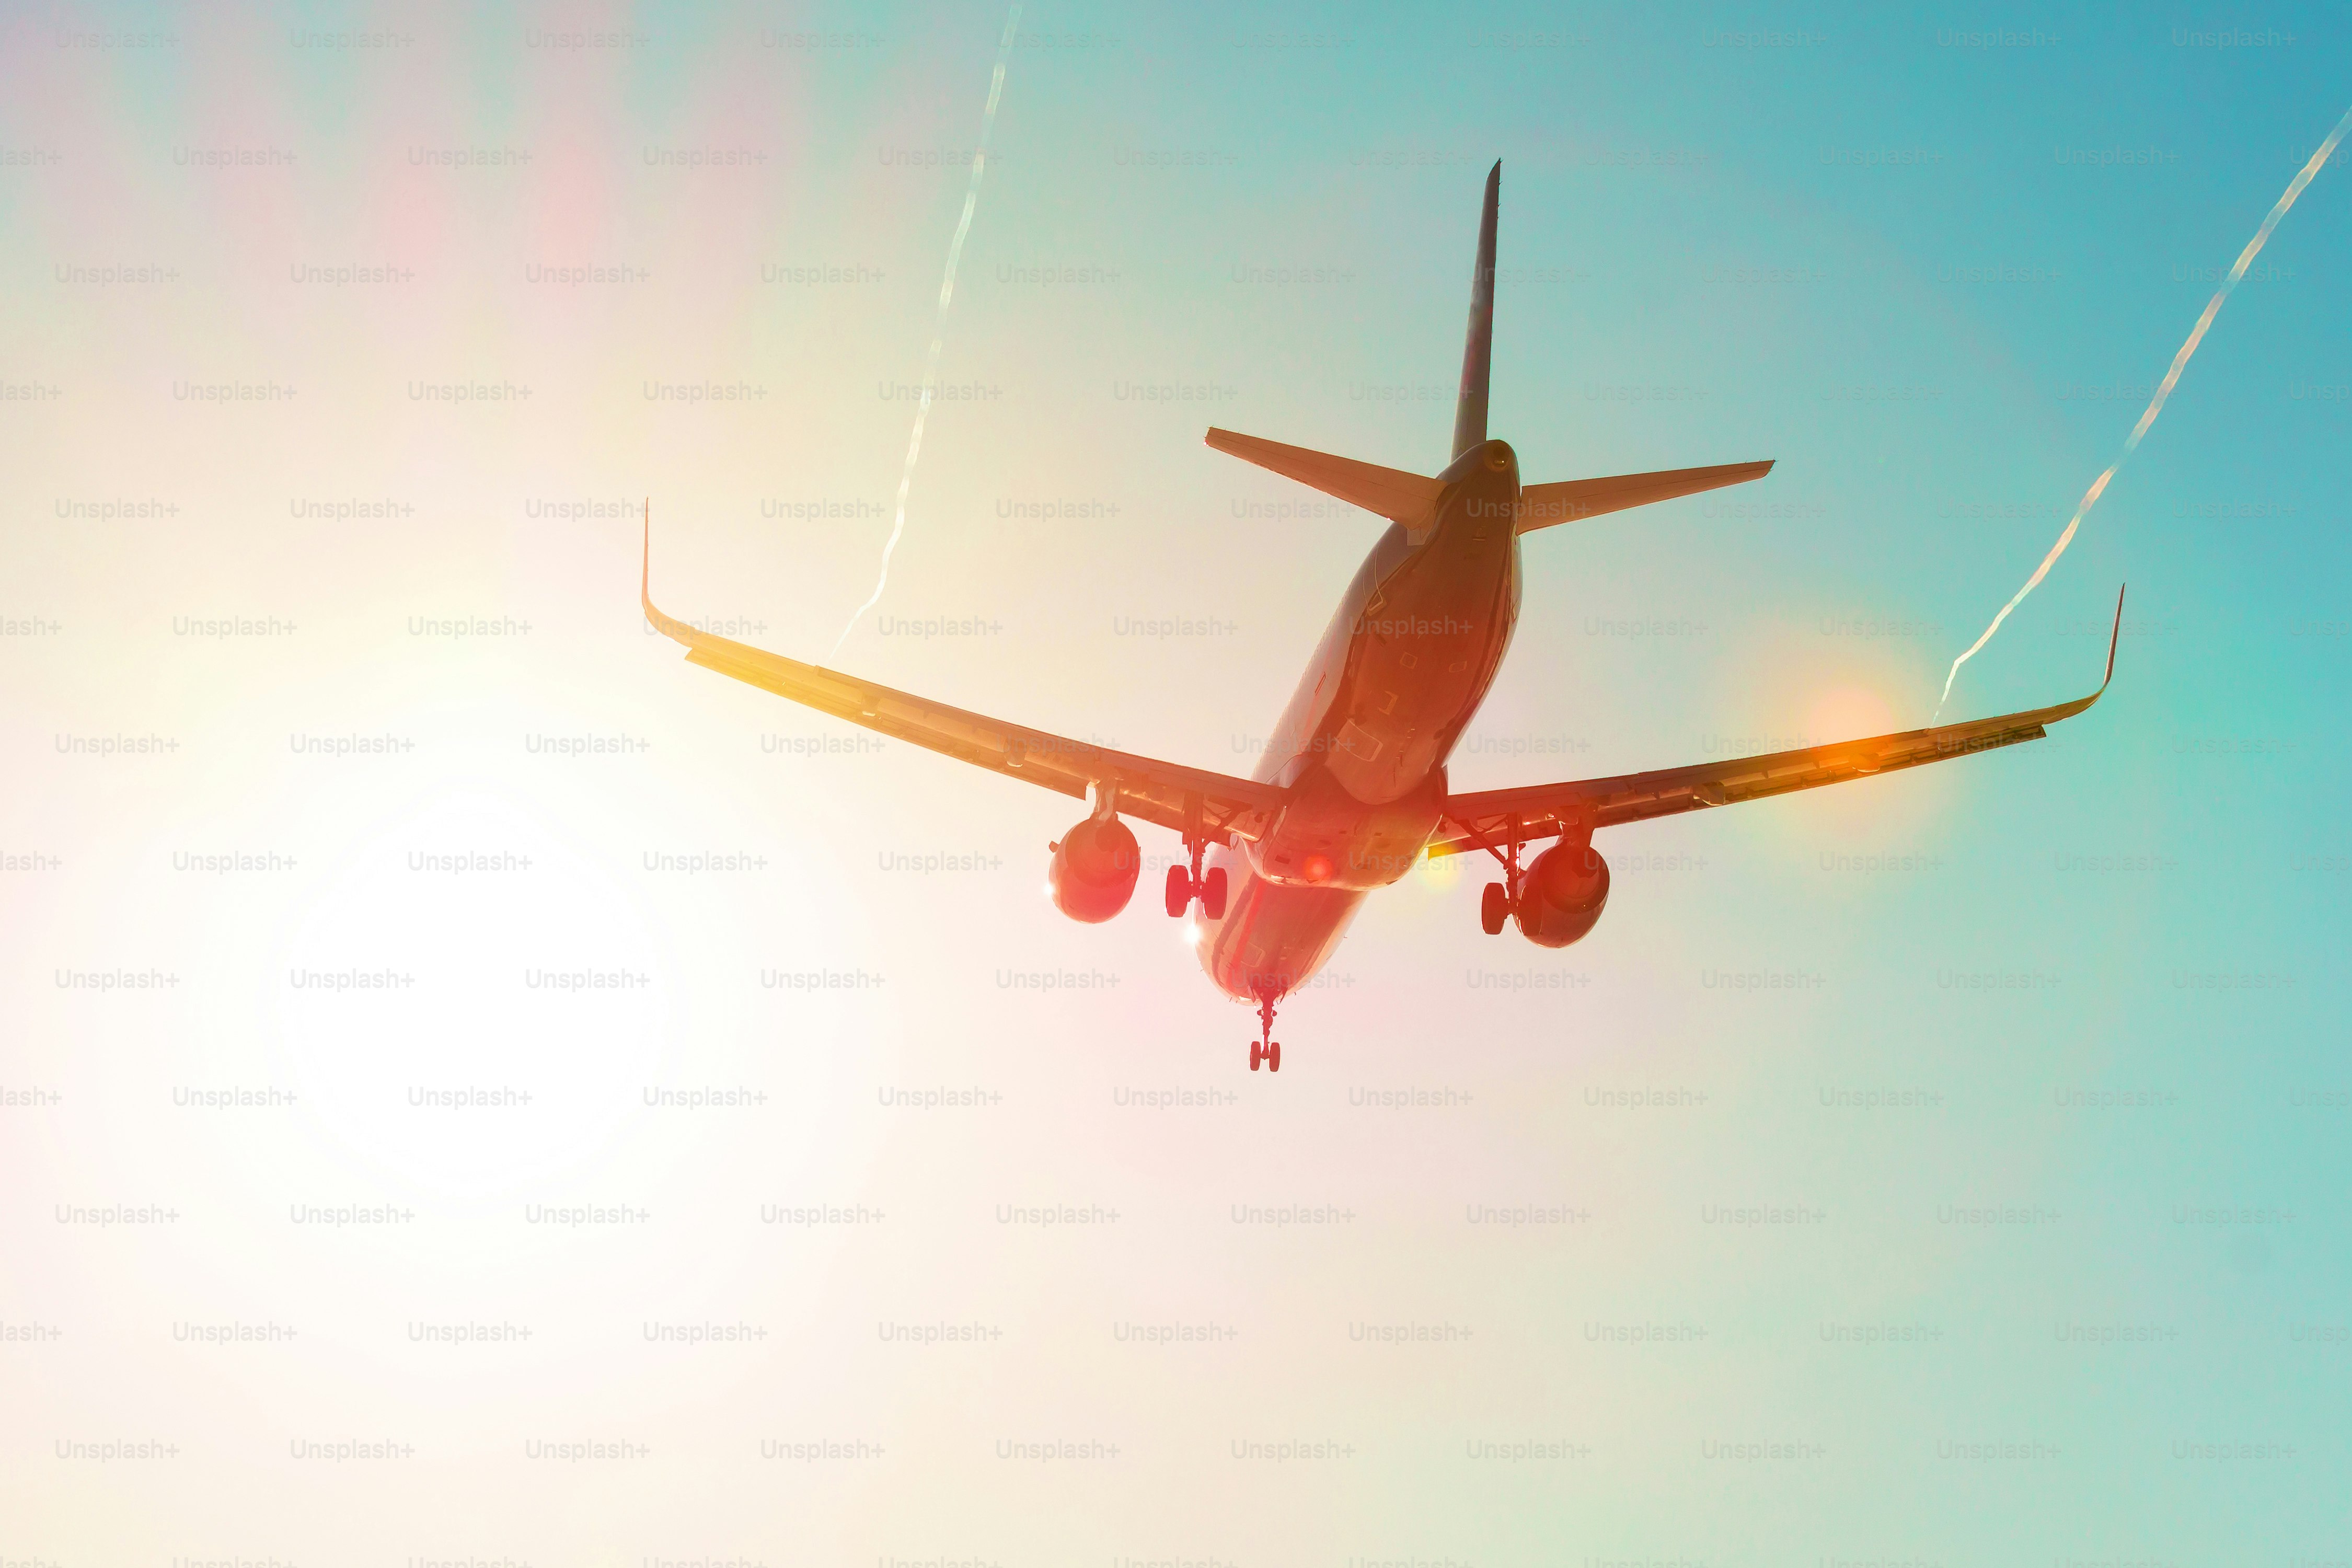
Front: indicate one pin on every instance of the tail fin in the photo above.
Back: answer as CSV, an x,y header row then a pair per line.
x,y
1479,349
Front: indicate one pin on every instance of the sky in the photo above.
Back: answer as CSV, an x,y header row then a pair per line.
x,y
476,1088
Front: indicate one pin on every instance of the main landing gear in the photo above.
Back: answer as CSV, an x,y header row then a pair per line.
x,y
1184,886
1502,899
1266,1049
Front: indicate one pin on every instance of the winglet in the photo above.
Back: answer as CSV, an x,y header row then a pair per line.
x,y
2081,704
2114,637
677,630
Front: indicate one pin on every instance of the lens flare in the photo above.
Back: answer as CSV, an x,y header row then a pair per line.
x,y
939,324
2156,404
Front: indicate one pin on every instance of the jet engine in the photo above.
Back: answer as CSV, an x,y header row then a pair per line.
x,y
1561,896
1093,869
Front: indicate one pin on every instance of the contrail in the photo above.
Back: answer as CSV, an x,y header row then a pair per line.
x,y
2156,404
938,326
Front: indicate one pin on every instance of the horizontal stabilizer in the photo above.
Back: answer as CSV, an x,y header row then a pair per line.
x,y
1571,500
1392,493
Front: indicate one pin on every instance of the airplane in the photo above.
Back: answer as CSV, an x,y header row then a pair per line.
x,y
1352,792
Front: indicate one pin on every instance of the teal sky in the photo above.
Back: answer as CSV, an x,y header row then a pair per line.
x,y
2035,1061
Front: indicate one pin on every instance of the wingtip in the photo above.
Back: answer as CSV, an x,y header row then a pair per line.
x,y
663,623
2114,637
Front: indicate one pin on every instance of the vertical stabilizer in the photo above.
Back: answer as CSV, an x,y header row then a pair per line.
x,y
1479,349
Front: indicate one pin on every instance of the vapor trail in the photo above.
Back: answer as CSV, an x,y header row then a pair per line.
x,y
939,325
2156,404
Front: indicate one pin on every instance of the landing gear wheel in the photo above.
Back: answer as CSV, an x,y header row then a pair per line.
x,y
1213,894
1179,891
1265,1048
1494,908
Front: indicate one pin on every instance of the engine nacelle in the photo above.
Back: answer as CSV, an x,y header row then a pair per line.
x,y
1562,895
1093,869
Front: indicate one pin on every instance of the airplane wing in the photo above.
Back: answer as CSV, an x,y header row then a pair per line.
x,y
1498,819
1186,799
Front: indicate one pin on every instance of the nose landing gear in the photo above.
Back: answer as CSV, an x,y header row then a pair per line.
x,y
1265,1048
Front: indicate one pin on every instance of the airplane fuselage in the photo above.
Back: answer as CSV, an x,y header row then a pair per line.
x,y
1363,746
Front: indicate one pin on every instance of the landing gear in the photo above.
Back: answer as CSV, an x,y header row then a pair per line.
x,y
1501,900
1266,1049
1183,888
1495,909
1185,884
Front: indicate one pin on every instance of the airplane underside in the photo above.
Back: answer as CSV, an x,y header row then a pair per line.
x,y
1352,791
1272,940
1273,936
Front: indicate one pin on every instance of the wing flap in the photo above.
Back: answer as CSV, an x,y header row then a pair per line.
x,y
1570,500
